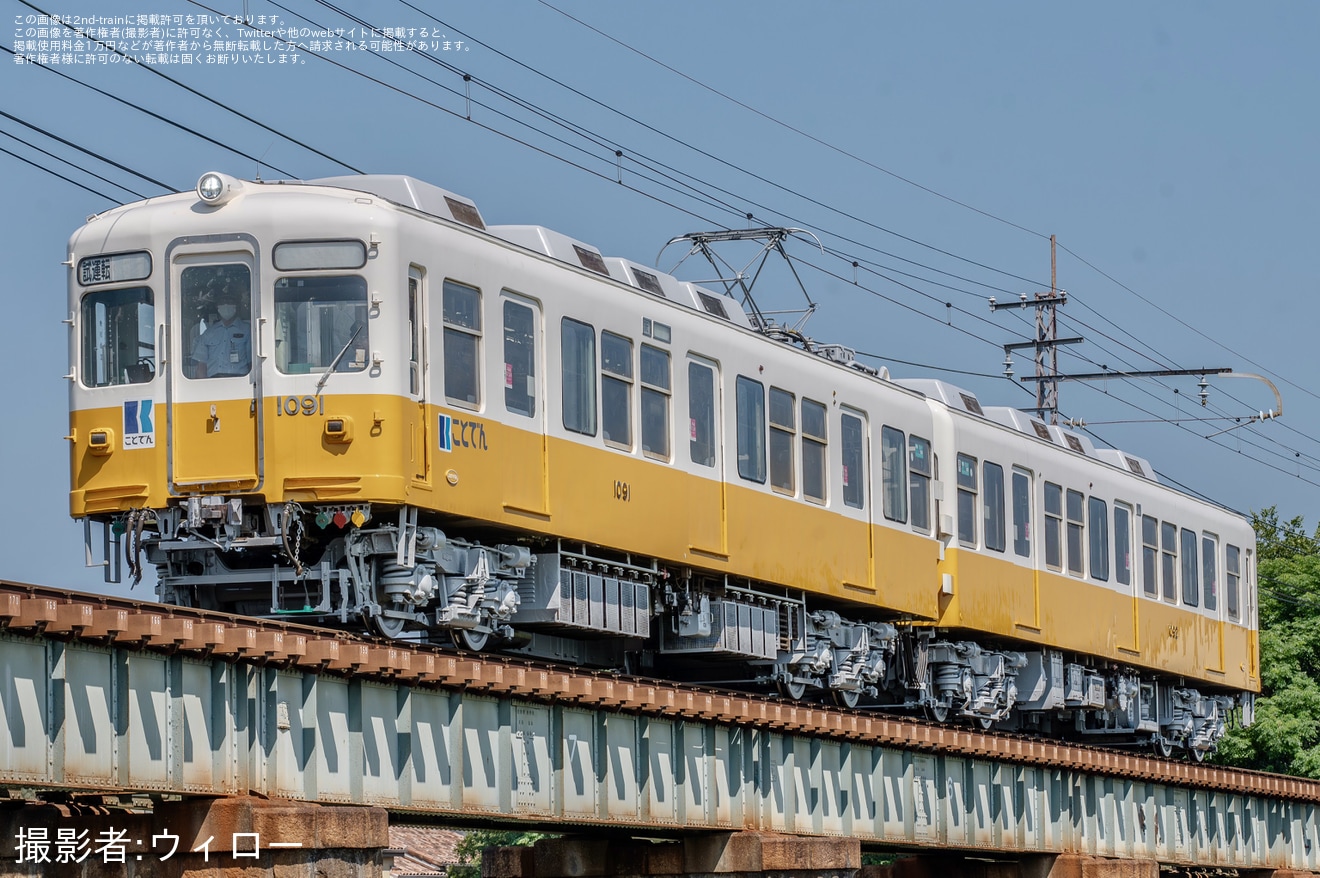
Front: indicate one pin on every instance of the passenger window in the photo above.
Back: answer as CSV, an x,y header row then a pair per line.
x,y
893,472
701,414
579,359
1053,524
519,359
1075,534
783,429
1021,513
1210,570
462,342
853,439
1233,576
1122,544
1169,560
217,324
655,402
616,380
118,337
1150,555
751,429
919,475
966,500
1097,521
995,538
1191,582
814,444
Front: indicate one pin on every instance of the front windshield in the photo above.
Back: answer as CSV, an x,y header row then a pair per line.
x,y
118,337
315,319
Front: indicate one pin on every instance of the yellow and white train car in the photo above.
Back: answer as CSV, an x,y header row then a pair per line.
x,y
351,401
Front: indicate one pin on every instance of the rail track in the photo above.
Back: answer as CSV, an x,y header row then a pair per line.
x,y
59,614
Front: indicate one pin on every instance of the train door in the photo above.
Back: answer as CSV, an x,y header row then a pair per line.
x,y
525,488
417,375
706,513
1127,634
213,421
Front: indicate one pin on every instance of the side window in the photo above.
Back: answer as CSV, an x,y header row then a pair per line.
x,y
118,337
783,429
462,341
893,473
1021,513
966,500
1097,523
655,402
415,331
616,381
815,442
1191,582
751,429
701,414
1210,571
519,358
1150,555
993,474
1075,534
1053,524
1122,544
1169,560
919,475
578,346
853,439
1232,577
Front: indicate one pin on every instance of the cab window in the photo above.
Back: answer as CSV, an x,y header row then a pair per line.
x,y
217,320
118,337
320,324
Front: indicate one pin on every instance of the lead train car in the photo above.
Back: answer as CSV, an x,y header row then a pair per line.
x,y
351,402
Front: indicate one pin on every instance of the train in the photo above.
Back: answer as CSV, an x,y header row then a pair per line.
x,y
350,401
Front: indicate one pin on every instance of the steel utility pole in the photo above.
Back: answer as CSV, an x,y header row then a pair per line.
x,y
1047,338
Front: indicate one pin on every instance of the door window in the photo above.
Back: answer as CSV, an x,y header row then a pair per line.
x,y
217,320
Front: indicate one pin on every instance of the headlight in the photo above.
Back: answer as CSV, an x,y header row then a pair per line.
x,y
215,189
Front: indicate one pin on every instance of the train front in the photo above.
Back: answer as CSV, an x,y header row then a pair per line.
x,y
232,415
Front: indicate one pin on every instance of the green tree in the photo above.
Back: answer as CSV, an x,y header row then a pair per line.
x,y
1285,737
469,849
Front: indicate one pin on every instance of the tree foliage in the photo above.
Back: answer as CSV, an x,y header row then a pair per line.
x,y
1285,737
469,849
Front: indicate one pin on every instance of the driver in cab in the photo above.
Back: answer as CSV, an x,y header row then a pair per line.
x,y
224,350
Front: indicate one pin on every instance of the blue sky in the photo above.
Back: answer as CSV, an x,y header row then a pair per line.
x,y
1170,147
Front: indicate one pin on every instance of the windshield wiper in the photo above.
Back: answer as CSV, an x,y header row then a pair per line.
x,y
339,356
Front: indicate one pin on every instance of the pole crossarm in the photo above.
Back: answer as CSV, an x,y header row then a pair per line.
x,y
1153,373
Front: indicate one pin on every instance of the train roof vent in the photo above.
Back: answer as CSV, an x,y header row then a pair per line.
x,y
953,397
410,192
555,245
1130,462
712,303
1074,441
646,279
1020,421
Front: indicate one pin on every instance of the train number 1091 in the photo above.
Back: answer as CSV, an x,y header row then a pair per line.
x,y
622,491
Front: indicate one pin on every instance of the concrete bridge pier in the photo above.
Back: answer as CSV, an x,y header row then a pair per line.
x,y
198,838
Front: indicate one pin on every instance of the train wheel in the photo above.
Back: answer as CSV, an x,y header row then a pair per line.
x,y
1161,747
985,723
793,690
387,626
467,639
937,712
1198,756
846,697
